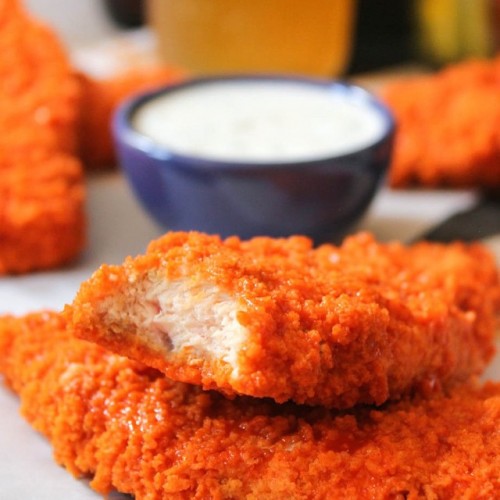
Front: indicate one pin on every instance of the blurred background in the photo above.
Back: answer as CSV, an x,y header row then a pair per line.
x,y
329,38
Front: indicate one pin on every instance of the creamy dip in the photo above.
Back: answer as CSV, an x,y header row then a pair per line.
x,y
261,121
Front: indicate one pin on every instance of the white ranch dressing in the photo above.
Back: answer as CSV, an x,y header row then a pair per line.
x,y
259,121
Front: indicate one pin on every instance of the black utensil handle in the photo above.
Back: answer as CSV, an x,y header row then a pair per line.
x,y
476,223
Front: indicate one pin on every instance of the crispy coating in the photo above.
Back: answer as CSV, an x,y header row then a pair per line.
x,y
332,326
100,99
448,130
42,220
132,429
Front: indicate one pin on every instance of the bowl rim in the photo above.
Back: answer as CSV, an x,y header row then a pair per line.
x,y
124,131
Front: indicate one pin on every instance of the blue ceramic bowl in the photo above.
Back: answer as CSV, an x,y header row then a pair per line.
x,y
322,198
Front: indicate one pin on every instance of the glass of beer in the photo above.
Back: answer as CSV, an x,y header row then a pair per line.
x,y
308,37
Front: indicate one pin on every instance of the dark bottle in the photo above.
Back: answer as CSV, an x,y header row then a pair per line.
x,y
126,13
384,35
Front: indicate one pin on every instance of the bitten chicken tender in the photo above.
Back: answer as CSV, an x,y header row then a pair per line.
x,y
42,221
448,131
362,323
133,429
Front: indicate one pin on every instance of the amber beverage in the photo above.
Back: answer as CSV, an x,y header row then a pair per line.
x,y
309,37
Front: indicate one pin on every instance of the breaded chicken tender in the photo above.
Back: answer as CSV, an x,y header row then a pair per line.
x,y
100,99
448,127
332,326
42,221
134,430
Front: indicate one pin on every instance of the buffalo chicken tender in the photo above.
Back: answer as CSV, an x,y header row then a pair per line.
x,y
448,127
130,428
101,98
42,219
362,323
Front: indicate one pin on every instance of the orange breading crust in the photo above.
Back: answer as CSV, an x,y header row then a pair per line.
x,y
102,97
139,432
41,185
448,130
330,326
